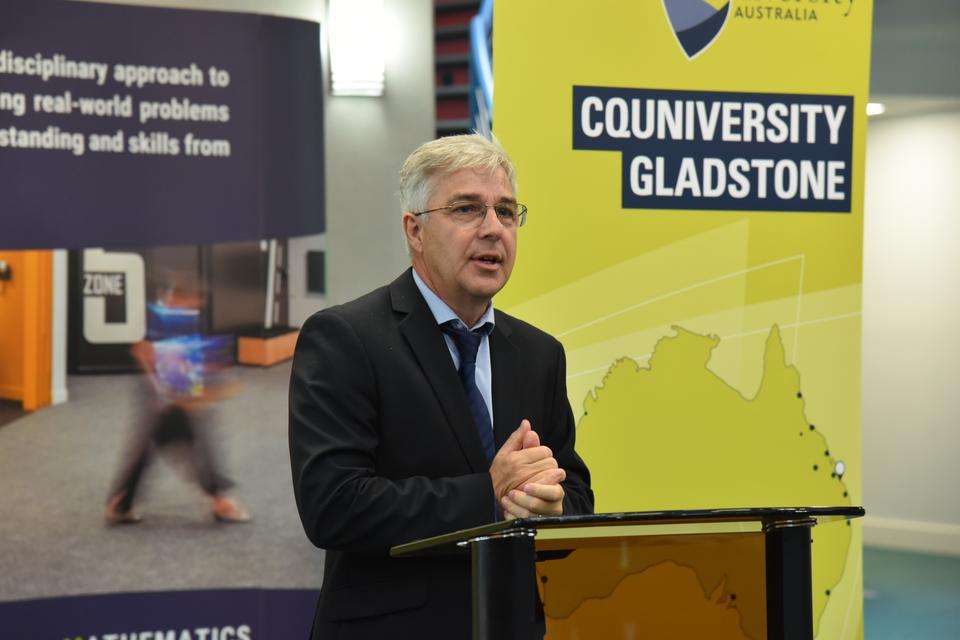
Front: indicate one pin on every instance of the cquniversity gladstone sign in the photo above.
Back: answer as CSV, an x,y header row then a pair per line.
x,y
124,125
722,150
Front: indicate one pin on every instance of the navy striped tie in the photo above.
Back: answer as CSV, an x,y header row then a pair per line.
x,y
468,343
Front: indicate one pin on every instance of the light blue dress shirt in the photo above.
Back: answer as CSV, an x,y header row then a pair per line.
x,y
442,313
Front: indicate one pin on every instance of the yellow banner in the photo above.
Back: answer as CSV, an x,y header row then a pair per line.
x,y
694,173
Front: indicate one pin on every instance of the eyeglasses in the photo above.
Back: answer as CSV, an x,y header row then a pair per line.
x,y
470,213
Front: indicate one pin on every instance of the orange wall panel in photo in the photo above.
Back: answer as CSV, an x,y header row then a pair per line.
x,y
25,331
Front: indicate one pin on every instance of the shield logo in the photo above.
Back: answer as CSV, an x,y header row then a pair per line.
x,y
696,23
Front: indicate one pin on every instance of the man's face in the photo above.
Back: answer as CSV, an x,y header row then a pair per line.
x,y
465,265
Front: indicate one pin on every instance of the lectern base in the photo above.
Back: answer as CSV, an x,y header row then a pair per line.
x,y
789,576
504,587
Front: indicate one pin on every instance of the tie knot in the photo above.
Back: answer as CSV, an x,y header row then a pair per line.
x,y
468,342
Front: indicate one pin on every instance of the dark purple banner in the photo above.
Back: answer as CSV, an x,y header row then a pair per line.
x,y
124,125
230,614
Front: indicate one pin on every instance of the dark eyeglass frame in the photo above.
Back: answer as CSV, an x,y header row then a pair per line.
x,y
520,216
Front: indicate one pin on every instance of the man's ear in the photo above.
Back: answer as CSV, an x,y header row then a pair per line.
x,y
413,230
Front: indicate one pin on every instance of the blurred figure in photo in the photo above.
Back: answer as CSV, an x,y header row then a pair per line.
x,y
185,373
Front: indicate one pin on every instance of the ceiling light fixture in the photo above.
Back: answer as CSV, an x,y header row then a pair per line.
x,y
356,31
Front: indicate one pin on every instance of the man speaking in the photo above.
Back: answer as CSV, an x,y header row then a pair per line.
x,y
418,409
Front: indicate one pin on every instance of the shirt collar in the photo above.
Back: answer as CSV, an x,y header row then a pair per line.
x,y
443,313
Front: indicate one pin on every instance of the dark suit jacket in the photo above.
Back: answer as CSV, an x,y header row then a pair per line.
x,y
384,451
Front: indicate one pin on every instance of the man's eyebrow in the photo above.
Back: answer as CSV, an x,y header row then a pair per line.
x,y
459,197
463,196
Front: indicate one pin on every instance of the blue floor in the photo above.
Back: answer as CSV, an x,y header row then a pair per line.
x,y
910,596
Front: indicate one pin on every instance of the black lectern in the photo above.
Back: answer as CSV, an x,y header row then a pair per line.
x,y
608,575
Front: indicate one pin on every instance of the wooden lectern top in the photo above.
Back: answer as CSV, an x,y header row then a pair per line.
x,y
633,523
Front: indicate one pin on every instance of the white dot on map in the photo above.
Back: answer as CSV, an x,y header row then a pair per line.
x,y
839,468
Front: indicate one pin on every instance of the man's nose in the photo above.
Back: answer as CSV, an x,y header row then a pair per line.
x,y
490,224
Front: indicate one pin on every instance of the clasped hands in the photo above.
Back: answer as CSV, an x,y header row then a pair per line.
x,y
526,477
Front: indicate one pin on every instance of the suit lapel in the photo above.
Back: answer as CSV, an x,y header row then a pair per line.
x,y
505,366
420,329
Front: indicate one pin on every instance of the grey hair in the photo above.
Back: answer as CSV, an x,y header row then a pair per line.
x,y
444,156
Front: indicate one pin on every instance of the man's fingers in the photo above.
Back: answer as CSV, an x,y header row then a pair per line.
x,y
532,505
512,510
546,492
550,476
530,470
517,467
531,440
515,441
529,456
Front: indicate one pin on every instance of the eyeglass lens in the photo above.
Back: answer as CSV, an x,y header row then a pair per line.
x,y
509,213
